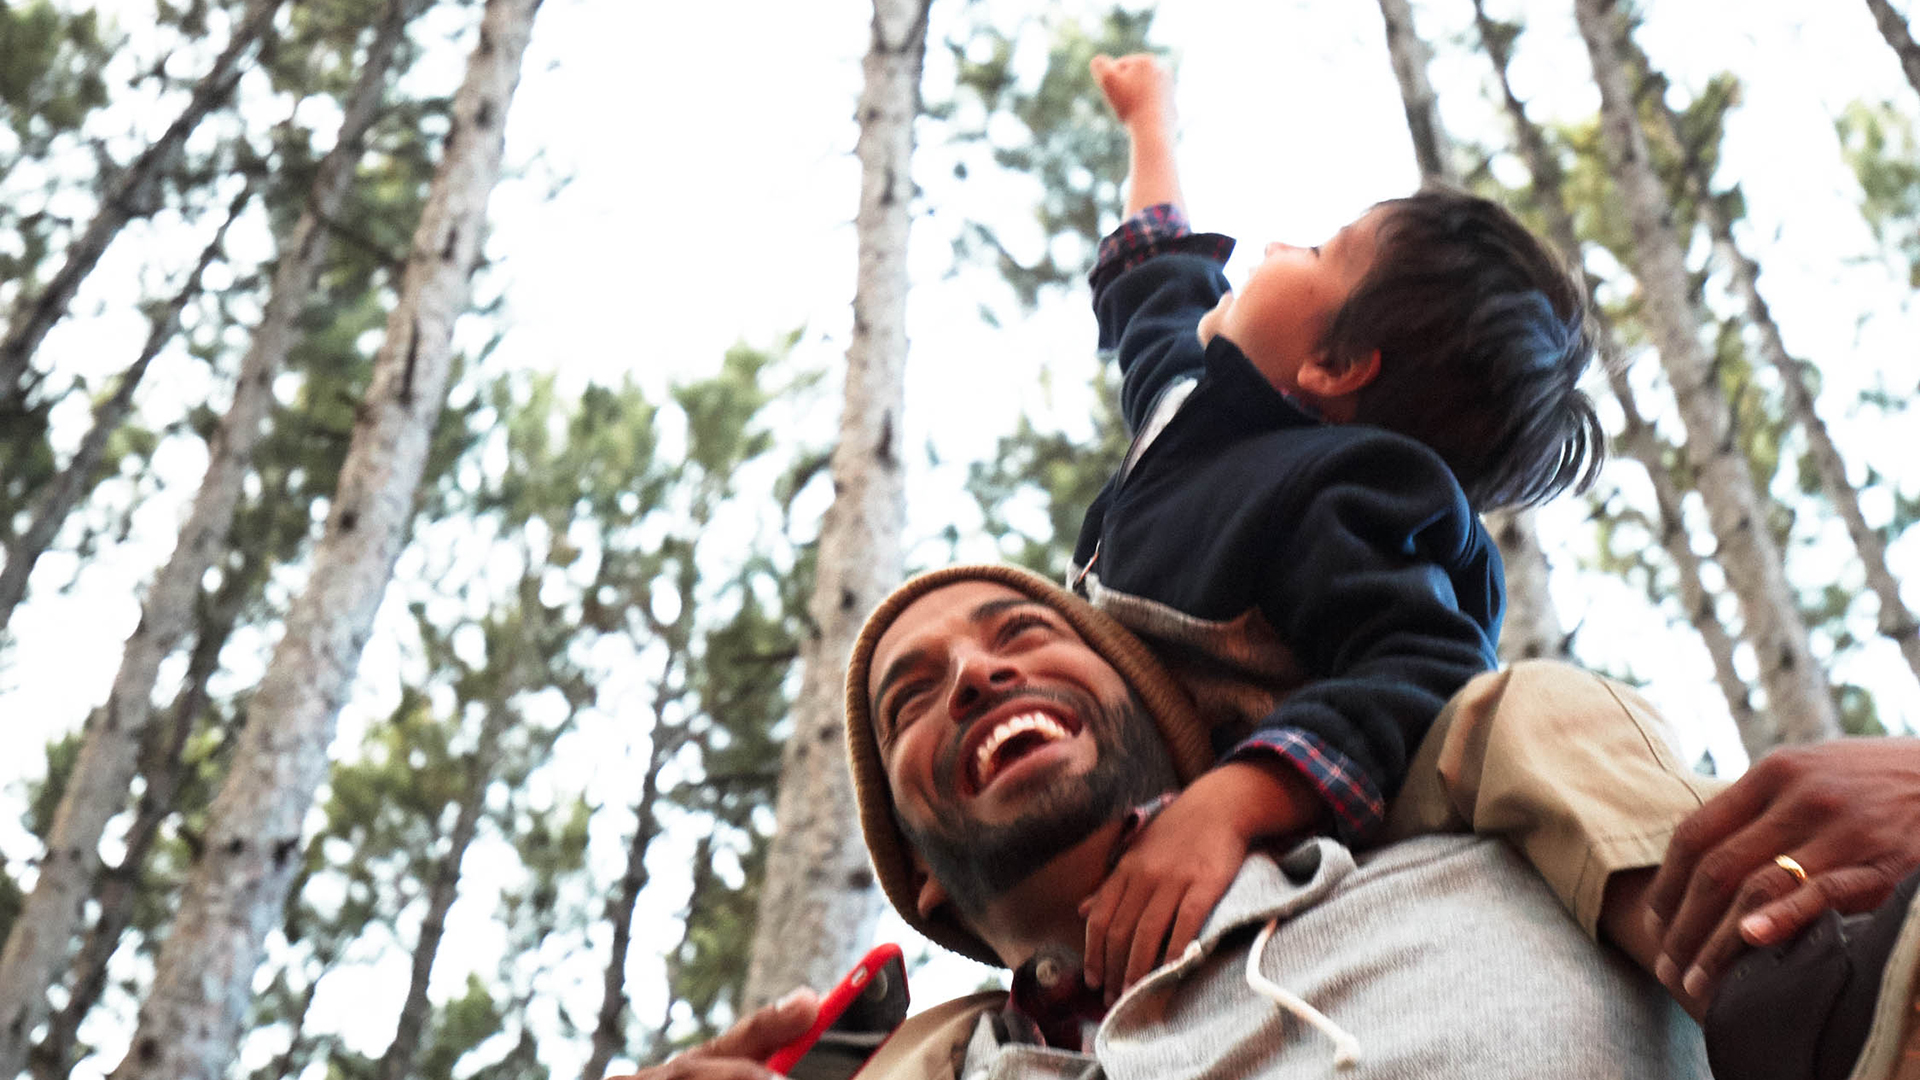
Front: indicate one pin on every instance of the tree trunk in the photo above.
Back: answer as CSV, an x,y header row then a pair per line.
x,y
129,196
1532,627
96,790
1638,439
116,890
817,903
1899,38
1799,705
191,1021
1896,620
58,498
609,1029
1410,57
398,1060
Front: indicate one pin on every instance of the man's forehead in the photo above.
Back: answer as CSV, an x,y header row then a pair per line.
x,y
944,611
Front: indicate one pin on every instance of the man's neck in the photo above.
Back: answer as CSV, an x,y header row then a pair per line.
x,y
1044,910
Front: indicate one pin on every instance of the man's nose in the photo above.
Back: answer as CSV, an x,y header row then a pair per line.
x,y
980,678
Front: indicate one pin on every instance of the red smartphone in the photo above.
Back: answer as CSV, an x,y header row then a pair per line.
x,y
855,1017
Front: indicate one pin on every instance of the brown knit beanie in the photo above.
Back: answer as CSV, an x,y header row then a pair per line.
x,y
1172,711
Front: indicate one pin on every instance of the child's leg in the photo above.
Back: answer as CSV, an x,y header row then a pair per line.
x,y
1575,770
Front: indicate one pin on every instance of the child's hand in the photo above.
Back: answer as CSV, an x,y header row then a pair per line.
x,y
1138,87
1162,890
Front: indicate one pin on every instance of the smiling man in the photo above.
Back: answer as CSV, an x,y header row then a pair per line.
x,y
1007,740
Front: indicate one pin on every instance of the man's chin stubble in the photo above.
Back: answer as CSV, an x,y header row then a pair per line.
x,y
976,863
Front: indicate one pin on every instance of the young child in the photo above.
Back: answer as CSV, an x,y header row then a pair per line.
x,y
1288,529
1295,527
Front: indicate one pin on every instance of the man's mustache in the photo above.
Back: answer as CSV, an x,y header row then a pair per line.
x,y
946,765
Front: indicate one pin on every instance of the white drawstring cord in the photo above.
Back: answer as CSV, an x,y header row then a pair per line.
x,y
1346,1047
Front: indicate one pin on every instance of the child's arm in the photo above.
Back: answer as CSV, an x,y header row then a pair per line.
x,y
1161,891
1140,90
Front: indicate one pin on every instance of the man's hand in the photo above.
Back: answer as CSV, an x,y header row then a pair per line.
x,y
1847,811
1161,891
1138,87
737,1053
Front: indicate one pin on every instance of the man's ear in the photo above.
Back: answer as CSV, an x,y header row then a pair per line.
x,y
932,896
1331,379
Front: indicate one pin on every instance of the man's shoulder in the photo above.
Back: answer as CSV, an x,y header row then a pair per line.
x,y
927,1046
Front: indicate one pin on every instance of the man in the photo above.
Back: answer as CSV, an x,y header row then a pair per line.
x,y
1003,735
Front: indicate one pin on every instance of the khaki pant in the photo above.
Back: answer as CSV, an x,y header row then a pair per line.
x,y
1574,769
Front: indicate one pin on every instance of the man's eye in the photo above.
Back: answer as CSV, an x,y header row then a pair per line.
x,y
898,716
1020,624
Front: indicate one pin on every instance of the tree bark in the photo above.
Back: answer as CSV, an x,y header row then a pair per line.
x,y
1896,619
1532,629
58,498
817,903
398,1060
1799,704
96,790
1410,56
127,198
1899,39
609,1029
1638,439
116,890
190,1023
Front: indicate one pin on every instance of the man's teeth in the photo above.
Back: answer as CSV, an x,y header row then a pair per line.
x,y
1009,728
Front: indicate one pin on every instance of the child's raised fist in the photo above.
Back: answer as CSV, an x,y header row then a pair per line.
x,y
1138,87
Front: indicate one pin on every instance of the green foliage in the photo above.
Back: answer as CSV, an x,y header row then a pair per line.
x,y
1858,713
1877,142
1065,138
460,1026
1054,128
50,72
11,901
1060,473
43,795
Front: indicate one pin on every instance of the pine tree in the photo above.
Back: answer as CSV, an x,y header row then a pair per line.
x,y
108,761
192,1017
125,199
1064,137
1896,619
1637,439
58,499
817,903
1799,704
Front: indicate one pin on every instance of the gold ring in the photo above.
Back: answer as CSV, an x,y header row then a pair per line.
x,y
1791,866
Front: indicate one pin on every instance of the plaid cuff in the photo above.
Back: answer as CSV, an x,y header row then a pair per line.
x,y
1358,809
1156,229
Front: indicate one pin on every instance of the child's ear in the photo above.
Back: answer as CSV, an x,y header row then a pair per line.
x,y
1329,379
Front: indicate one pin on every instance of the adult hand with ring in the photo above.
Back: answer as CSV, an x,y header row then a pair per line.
x,y
1845,813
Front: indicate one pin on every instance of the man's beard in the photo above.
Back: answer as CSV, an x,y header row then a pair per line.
x,y
976,862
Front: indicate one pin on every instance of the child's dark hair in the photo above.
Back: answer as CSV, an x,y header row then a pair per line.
x,y
1482,336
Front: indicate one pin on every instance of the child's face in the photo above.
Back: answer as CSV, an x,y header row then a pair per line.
x,y
1280,315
